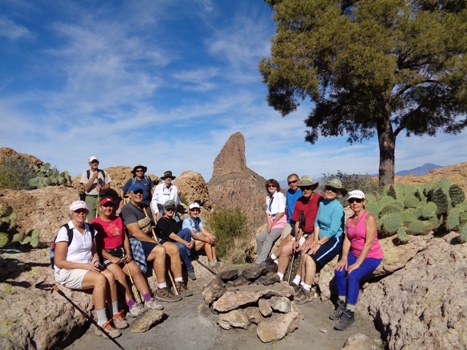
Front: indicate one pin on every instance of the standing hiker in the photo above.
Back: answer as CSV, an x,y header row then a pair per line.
x,y
76,266
95,182
139,177
165,191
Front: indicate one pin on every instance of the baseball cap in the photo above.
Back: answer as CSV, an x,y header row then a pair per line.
x,y
194,205
78,205
107,200
92,158
356,194
170,204
135,187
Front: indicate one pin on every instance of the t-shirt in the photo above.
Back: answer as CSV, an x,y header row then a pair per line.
x,y
330,218
193,224
80,249
110,234
145,183
291,198
274,206
310,210
103,178
357,237
131,214
165,227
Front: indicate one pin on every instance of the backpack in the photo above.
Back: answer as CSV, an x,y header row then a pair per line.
x,y
69,232
88,174
148,179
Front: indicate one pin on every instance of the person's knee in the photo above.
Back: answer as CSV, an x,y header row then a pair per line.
x,y
171,248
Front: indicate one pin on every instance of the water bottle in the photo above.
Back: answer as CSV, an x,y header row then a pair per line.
x,y
52,255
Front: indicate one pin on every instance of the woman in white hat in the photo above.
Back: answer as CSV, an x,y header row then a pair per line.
x,y
77,266
361,255
203,239
326,241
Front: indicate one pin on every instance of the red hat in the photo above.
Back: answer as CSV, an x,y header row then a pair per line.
x,y
107,200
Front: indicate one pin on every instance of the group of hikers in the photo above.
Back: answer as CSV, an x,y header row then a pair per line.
x,y
313,225
98,250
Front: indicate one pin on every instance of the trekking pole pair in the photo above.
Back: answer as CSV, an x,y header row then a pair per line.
x,y
52,287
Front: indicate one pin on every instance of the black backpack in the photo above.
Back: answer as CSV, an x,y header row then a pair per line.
x,y
69,232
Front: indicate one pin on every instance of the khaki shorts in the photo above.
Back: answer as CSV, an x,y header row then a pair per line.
x,y
72,279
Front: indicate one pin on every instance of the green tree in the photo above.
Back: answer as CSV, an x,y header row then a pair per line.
x,y
371,67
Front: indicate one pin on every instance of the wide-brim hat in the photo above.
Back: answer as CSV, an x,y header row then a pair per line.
x,y
167,174
337,184
306,181
139,166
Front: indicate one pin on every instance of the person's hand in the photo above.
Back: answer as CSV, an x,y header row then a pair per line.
x,y
98,188
341,265
269,228
94,266
128,258
189,245
307,244
352,268
296,246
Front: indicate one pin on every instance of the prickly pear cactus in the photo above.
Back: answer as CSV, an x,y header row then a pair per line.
x,y
47,176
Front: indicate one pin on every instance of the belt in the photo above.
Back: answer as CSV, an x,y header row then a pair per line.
x,y
91,195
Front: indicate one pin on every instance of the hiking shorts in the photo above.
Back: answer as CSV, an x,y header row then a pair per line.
x,y
328,251
72,279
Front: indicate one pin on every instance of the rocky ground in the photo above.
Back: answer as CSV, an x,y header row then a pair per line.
x,y
191,325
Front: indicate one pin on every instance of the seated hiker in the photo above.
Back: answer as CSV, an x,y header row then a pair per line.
x,y
275,219
164,192
139,177
203,239
144,247
76,266
304,215
114,247
325,242
169,232
96,182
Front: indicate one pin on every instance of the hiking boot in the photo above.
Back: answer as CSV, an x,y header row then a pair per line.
x,y
153,305
191,274
296,288
304,296
163,294
136,310
347,318
112,332
337,313
183,289
119,321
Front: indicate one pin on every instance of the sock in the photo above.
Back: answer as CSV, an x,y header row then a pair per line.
x,y
305,286
342,298
350,307
162,285
101,317
147,296
131,303
179,279
281,276
297,280
114,307
273,257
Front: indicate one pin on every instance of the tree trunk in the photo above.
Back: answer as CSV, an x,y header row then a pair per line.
x,y
387,147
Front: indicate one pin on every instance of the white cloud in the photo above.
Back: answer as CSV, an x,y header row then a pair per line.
x,y
11,30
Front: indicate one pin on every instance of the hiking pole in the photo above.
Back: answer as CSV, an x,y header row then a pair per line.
x,y
168,270
206,267
133,286
52,287
301,225
97,204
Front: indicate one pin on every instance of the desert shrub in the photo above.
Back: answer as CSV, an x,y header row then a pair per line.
x,y
365,183
231,230
15,173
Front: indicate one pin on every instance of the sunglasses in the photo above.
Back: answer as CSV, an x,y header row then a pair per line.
x,y
95,162
269,186
353,200
138,170
306,188
80,211
332,189
292,182
171,209
138,192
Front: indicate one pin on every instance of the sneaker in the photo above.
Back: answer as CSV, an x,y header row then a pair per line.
x,y
112,332
296,288
183,289
347,318
304,296
337,313
153,305
119,321
191,274
163,294
136,310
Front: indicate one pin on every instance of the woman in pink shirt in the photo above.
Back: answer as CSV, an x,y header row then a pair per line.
x,y
361,255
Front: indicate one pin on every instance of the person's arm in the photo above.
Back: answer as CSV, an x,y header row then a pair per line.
x,y
106,181
370,235
342,264
136,232
298,235
337,216
210,237
154,200
178,239
93,176
127,248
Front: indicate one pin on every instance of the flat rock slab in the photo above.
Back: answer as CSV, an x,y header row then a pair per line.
x,y
147,320
278,327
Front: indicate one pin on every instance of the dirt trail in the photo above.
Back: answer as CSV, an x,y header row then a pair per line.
x,y
191,325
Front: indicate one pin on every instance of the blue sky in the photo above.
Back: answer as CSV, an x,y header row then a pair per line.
x,y
163,83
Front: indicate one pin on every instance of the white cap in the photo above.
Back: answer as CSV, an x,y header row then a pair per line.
x,y
78,205
356,194
194,205
92,158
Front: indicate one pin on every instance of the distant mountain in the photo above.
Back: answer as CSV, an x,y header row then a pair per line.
x,y
421,170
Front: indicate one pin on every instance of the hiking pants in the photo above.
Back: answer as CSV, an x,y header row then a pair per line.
x,y
264,243
184,251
